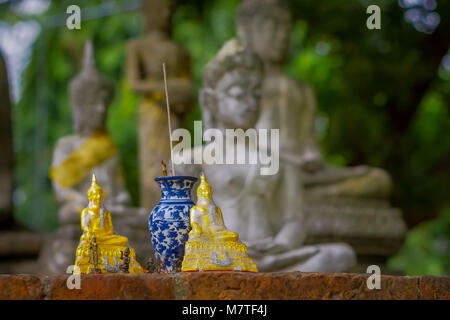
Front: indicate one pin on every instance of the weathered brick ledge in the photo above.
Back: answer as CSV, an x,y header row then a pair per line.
x,y
224,285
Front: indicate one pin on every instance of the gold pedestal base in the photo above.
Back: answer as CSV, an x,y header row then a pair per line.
x,y
108,260
203,255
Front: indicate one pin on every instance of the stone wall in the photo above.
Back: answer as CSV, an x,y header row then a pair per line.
x,y
224,286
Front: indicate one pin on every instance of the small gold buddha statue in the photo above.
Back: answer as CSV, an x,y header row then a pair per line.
x,y
211,246
98,229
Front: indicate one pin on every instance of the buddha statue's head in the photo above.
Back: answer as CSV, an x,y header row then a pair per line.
x,y
231,88
204,190
265,26
158,15
95,193
90,96
204,193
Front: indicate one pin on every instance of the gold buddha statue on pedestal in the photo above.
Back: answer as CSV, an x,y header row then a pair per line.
x,y
211,246
98,234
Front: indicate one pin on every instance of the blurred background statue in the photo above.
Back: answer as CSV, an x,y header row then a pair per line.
x,y
265,210
90,150
145,77
344,204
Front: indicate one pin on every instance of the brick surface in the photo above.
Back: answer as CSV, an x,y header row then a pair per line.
x,y
223,285
433,288
294,285
21,287
113,287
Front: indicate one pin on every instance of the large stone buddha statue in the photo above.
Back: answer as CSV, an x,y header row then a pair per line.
x,y
265,26
340,203
145,76
99,247
265,210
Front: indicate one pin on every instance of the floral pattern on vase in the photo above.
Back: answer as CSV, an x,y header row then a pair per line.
x,y
169,223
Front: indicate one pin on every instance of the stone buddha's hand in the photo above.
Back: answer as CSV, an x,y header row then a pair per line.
x,y
260,246
289,237
276,248
267,246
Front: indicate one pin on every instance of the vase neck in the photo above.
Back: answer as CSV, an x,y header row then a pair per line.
x,y
176,189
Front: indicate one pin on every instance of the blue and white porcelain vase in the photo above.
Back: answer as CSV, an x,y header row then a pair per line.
x,y
169,222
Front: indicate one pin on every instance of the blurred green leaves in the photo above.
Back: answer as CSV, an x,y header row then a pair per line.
x,y
203,36
427,249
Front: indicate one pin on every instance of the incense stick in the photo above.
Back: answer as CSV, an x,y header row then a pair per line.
x,y
168,117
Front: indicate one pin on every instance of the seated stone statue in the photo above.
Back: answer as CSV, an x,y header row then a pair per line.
x,y
348,204
291,106
211,246
90,149
109,247
265,210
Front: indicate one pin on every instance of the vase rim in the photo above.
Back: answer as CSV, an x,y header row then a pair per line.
x,y
176,178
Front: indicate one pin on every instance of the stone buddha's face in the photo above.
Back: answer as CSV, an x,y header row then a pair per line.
x,y
237,97
268,34
90,108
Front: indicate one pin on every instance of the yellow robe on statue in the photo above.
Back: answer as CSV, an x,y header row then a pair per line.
x,y
94,151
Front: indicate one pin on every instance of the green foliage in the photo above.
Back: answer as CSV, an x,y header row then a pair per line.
x,y
426,249
203,36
